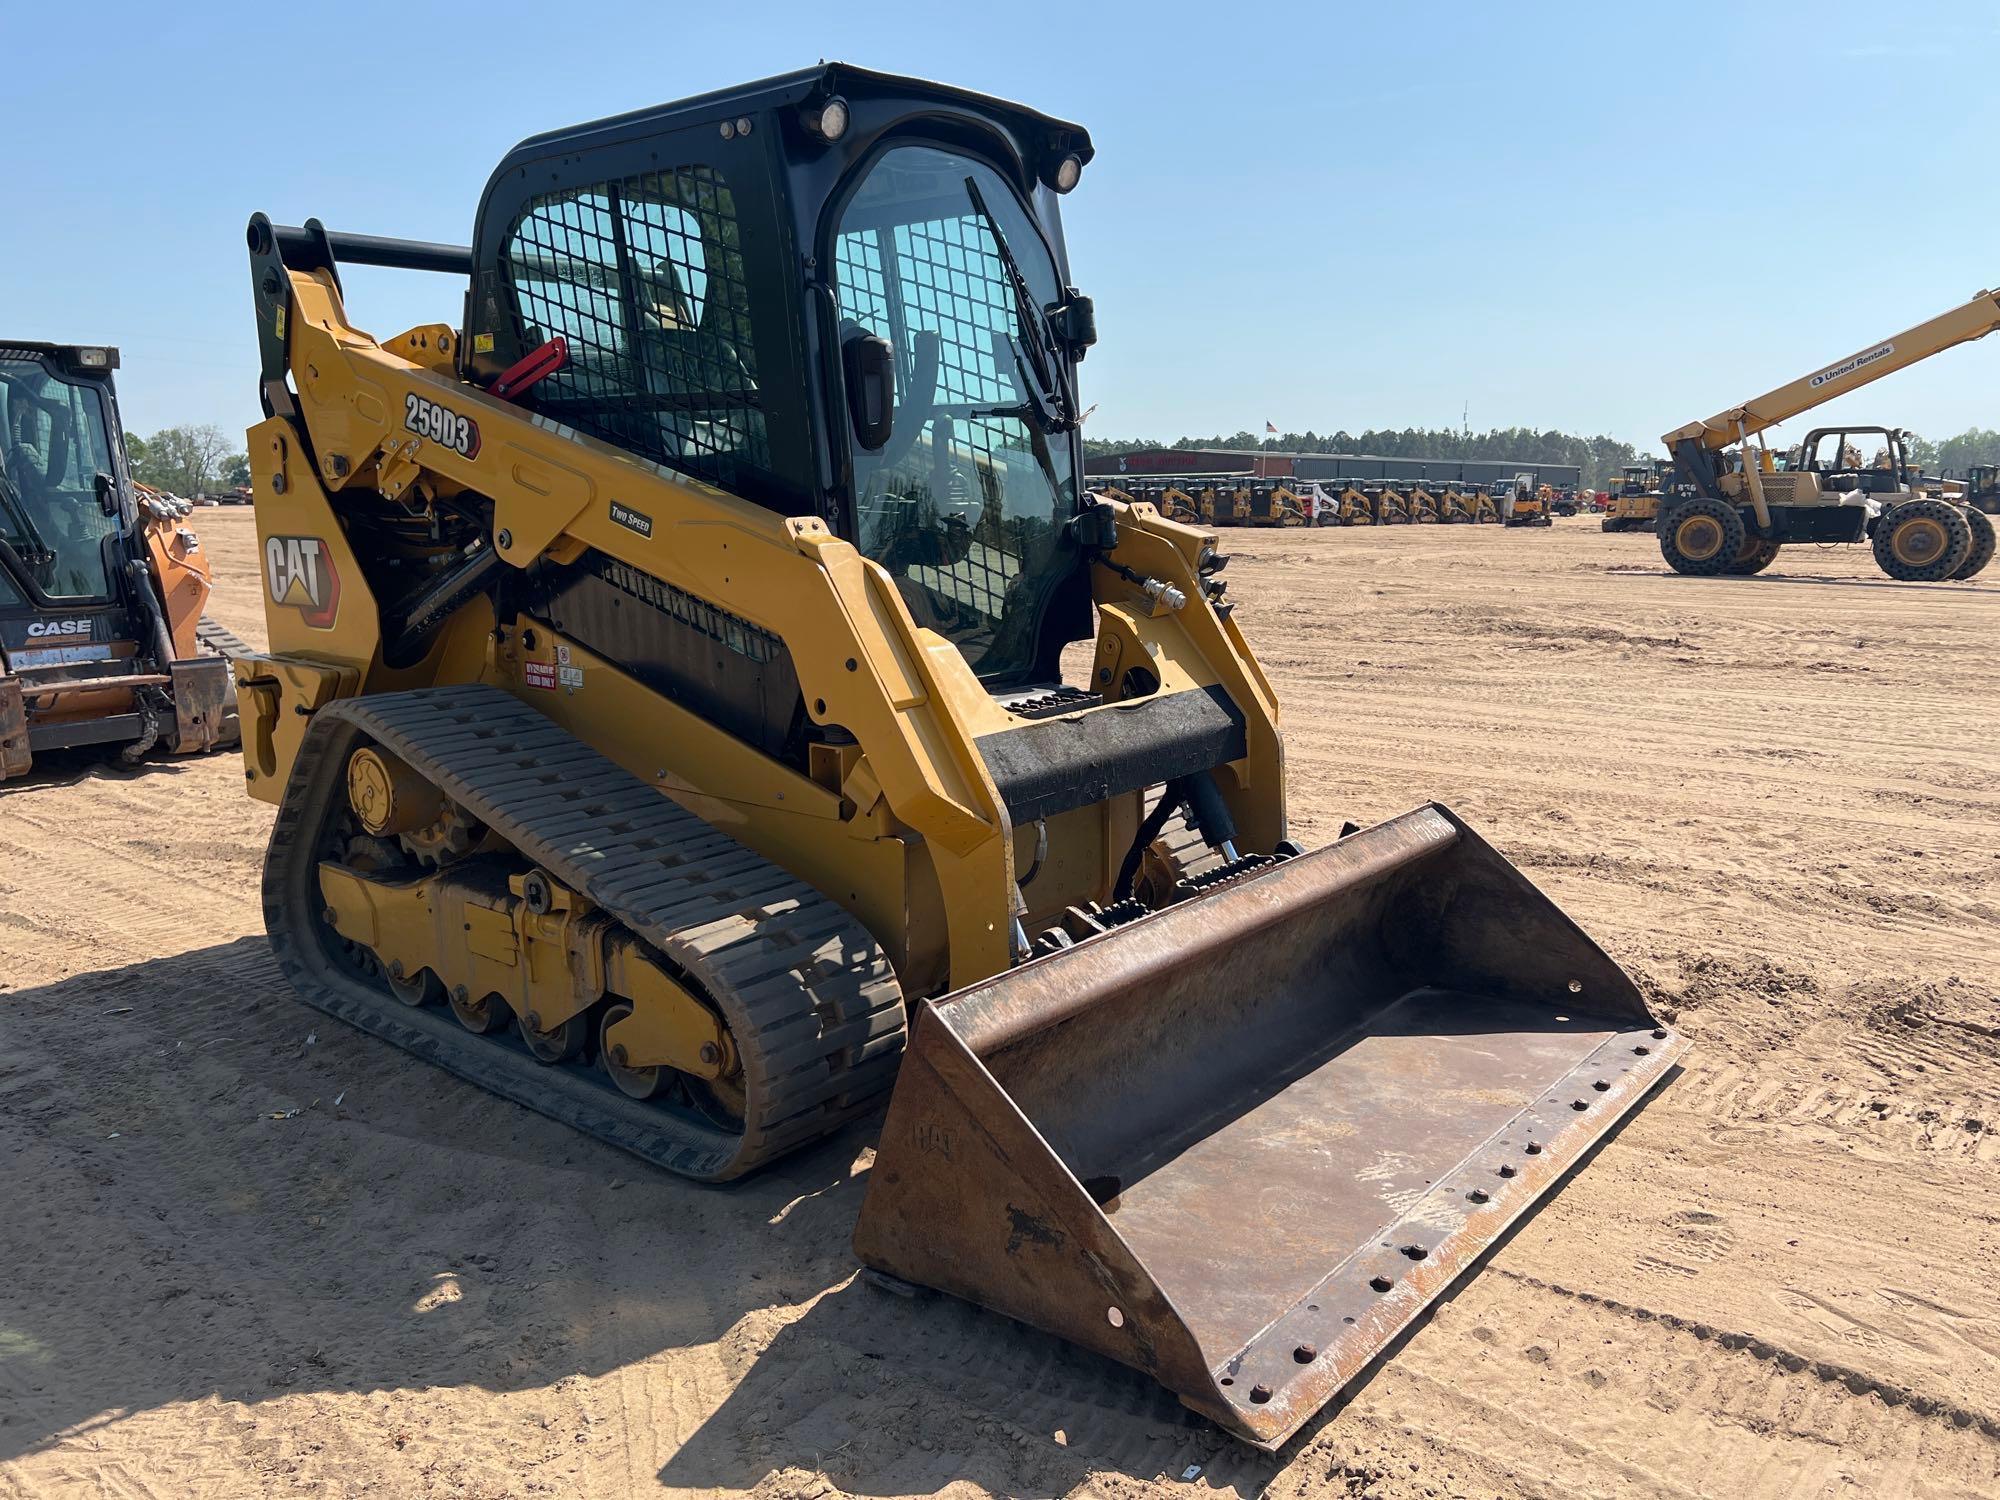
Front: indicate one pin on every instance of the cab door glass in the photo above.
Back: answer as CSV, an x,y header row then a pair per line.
x,y
53,445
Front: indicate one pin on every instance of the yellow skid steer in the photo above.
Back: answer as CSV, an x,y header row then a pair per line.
x,y
667,723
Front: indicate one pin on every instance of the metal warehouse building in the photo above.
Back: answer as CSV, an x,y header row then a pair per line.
x,y
1327,466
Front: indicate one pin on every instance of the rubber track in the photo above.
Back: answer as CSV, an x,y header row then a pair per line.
x,y
811,1001
220,639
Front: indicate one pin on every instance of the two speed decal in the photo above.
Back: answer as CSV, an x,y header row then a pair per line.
x,y
441,425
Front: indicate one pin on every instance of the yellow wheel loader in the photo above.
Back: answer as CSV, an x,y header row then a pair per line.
x,y
102,581
1635,499
666,722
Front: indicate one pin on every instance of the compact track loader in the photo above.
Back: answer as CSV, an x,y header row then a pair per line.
x,y
102,581
1424,508
1277,504
666,721
1390,508
1454,508
1355,507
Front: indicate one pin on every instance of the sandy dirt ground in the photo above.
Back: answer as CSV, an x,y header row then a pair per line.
x,y
251,1252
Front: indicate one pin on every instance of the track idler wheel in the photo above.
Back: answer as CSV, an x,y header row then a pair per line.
x,y
633,1083
1702,537
559,1043
414,990
1922,541
482,1016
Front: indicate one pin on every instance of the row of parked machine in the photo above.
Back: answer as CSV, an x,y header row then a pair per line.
x,y
1244,500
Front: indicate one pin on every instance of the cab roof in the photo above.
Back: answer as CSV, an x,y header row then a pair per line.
x,y
791,90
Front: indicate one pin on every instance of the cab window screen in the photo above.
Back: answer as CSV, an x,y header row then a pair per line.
x,y
644,278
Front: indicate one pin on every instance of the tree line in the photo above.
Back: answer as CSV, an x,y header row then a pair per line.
x,y
187,461
1600,458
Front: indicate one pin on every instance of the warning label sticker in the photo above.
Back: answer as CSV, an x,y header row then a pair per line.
x,y
539,674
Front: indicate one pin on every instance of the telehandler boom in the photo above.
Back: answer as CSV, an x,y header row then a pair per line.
x,y
666,720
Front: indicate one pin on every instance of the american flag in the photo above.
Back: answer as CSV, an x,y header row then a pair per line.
x,y
1270,429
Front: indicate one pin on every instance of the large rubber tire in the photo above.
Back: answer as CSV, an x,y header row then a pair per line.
x,y
1756,556
1985,538
1701,537
1922,541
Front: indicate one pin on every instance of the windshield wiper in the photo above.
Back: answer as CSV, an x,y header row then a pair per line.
x,y
1052,411
35,552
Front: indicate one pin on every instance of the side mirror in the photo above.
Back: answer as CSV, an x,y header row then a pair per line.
x,y
870,363
107,493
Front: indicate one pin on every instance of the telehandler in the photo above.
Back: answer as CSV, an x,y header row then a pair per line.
x,y
1732,507
102,581
666,723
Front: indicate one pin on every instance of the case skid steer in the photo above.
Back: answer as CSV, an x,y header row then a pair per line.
x,y
666,723
102,582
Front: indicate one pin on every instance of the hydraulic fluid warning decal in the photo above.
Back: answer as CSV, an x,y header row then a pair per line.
x,y
551,675
1849,366
631,519
441,425
299,574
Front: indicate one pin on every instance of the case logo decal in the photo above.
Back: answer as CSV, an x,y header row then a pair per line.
x,y
62,630
299,574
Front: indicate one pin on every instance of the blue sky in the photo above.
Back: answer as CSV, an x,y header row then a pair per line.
x,y
1595,217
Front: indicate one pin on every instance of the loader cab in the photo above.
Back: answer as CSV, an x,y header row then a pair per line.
x,y
915,387
62,505
1825,453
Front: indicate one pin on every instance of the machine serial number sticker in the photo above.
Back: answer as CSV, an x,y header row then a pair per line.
x,y
631,519
539,674
441,425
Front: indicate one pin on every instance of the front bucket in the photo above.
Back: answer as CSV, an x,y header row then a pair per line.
x,y
1241,1143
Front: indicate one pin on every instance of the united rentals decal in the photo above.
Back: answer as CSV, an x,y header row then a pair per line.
x,y
299,574
1849,366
